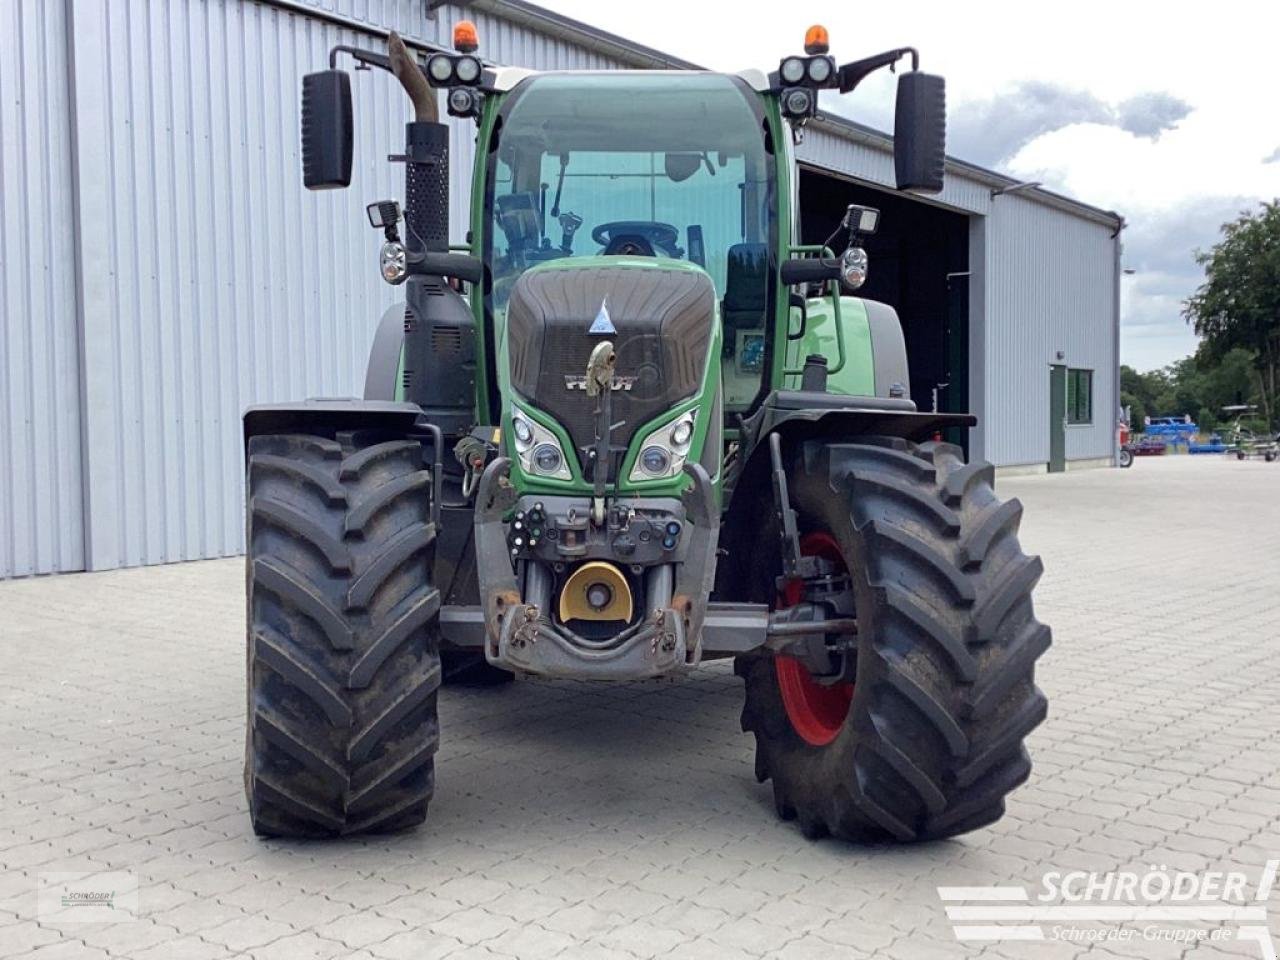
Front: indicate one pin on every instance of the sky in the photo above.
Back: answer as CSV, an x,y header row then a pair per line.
x,y
1166,112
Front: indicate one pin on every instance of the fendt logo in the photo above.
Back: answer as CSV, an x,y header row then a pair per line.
x,y
618,383
1156,906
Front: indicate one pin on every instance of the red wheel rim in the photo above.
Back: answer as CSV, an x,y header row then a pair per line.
x,y
817,711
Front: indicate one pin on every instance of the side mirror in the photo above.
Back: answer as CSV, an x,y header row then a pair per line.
x,y
920,132
326,130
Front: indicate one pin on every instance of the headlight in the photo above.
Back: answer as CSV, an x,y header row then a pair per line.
x,y
664,451
799,103
547,459
523,432
539,451
465,102
655,461
681,434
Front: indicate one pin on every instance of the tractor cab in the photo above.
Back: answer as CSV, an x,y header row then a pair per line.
x,y
684,178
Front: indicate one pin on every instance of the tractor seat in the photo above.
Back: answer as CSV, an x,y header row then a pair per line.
x,y
746,289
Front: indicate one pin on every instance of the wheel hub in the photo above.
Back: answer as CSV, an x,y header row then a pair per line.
x,y
817,711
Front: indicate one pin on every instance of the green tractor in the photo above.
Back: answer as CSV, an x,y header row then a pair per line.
x,y
632,426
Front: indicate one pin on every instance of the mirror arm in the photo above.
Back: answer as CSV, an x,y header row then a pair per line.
x,y
403,64
366,57
852,74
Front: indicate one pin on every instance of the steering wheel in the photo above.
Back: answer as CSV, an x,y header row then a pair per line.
x,y
627,232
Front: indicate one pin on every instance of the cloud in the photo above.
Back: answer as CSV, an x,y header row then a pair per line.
x,y
1273,157
1151,114
1159,247
992,130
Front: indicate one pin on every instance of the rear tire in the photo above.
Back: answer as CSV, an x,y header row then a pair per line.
x,y
944,693
1126,459
343,648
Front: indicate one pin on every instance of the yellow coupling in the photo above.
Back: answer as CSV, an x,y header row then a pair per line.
x,y
596,591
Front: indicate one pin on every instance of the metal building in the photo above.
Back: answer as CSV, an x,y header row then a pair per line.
x,y
161,266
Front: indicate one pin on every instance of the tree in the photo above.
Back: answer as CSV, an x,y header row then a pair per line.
x,y
1238,305
1199,385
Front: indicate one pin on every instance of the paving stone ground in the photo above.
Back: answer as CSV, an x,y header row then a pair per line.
x,y
586,820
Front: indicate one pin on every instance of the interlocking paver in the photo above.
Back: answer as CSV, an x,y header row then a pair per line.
x,y
587,820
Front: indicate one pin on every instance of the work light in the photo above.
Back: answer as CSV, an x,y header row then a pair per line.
x,y
467,70
440,69
792,70
861,220
820,70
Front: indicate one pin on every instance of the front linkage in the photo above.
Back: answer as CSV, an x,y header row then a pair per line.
x,y
520,632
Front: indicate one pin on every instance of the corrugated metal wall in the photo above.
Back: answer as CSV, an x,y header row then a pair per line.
x,y
40,505
1050,287
195,275
826,149
212,279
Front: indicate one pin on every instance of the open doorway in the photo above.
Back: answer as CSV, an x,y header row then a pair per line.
x,y
919,266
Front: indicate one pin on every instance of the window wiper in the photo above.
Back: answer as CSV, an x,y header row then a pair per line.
x,y
564,165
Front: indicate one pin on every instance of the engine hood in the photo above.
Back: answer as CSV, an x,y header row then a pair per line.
x,y
659,315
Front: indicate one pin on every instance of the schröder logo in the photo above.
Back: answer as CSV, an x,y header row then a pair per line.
x,y
110,897
1121,906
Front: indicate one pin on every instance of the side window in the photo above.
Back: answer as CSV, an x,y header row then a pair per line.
x,y
1079,396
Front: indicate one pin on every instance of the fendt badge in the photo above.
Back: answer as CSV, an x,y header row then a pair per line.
x,y
603,323
619,382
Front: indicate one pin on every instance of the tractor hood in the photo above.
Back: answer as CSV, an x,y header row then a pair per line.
x,y
658,314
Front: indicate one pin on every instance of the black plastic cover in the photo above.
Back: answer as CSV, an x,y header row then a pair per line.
x,y
426,209
920,132
326,130
809,270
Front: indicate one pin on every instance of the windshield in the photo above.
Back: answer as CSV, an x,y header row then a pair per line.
x,y
663,165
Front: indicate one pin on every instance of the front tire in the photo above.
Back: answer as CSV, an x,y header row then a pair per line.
x,y
343,649
1126,458
931,740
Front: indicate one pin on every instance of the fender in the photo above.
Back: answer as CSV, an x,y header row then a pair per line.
x,y
384,355
329,416
797,416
